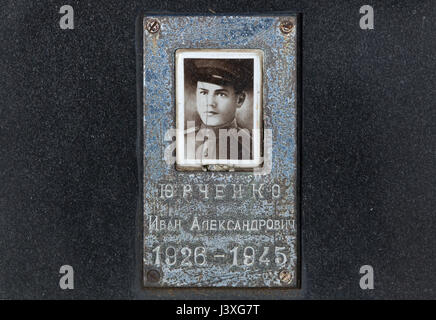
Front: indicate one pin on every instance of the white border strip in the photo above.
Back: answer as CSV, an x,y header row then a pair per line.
x,y
257,56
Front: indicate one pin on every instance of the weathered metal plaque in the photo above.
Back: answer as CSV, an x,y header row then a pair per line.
x,y
220,151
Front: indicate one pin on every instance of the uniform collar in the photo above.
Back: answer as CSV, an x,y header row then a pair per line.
x,y
231,125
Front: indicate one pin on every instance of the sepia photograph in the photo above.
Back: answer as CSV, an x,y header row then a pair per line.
x,y
219,108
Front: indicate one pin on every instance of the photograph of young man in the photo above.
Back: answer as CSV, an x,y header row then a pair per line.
x,y
220,89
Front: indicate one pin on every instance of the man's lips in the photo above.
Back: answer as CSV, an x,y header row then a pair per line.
x,y
211,113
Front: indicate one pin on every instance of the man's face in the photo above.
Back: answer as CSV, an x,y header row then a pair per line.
x,y
217,104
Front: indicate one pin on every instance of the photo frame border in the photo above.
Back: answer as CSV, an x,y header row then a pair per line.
x,y
257,134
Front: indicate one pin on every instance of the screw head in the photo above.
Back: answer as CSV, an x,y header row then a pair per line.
x,y
286,26
285,276
152,25
153,276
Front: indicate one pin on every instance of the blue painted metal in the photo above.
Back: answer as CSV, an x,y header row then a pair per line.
x,y
279,114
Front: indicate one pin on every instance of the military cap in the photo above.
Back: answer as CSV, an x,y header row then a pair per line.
x,y
235,72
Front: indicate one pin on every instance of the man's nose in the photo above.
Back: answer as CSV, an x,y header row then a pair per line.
x,y
211,101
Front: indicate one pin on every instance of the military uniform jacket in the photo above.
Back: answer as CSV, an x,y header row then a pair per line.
x,y
225,143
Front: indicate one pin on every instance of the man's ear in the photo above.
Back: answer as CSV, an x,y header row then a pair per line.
x,y
241,99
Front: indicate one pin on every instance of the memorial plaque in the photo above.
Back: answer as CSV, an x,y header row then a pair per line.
x,y
220,151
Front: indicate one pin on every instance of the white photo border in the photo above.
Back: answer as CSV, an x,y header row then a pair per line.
x,y
257,56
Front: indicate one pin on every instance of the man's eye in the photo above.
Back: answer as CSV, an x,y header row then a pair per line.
x,y
221,94
203,93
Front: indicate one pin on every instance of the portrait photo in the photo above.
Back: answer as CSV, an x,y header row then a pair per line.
x,y
219,109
